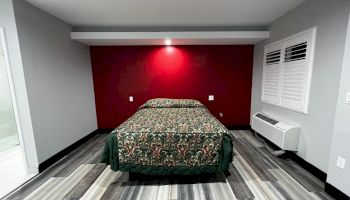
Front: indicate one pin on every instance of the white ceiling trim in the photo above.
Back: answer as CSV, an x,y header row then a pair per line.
x,y
178,38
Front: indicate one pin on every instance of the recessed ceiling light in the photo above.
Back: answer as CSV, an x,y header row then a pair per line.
x,y
167,42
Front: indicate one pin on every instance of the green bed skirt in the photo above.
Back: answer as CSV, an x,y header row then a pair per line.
x,y
110,157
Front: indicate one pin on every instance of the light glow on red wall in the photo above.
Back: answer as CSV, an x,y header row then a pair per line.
x,y
170,60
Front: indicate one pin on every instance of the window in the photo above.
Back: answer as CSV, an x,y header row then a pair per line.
x,y
287,71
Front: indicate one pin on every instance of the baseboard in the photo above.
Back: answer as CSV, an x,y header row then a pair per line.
x,y
309,167
53,159
105,130
335,193
238,127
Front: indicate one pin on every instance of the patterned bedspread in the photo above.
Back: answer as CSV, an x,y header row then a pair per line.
x,y
167,136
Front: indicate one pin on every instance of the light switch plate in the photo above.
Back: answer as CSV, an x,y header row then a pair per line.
x,y
341,162
347,99
211,97
131,98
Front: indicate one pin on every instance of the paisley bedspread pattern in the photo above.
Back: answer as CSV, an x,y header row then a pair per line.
x,y
170,133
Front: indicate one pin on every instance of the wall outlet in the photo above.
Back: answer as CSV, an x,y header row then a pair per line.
x,y
341,162
131,98
211,97
347,99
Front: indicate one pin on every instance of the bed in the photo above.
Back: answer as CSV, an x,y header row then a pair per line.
x,y
167,137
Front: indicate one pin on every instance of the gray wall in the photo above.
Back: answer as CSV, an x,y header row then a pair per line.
x,y
58,79
331,18
337,177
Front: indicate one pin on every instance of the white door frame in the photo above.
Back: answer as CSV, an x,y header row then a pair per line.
x,y
22,115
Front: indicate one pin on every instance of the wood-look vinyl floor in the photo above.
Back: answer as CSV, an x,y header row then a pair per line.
x,y
254,174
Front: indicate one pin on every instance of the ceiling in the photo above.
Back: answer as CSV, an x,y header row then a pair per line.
x,y
167,12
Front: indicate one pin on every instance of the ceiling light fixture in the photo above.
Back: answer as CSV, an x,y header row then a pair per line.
x,y
167,42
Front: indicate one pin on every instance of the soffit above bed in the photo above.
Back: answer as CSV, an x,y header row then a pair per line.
x,y
177,38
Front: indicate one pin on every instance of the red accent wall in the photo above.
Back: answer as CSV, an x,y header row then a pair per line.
x,y
176,72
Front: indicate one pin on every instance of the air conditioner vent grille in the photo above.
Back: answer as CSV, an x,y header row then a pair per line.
x,y
267,119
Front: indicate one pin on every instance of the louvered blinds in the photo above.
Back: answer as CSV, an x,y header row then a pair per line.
x,y
295,52
271,74
287,71
273,57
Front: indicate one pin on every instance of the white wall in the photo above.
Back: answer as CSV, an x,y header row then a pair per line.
x,y
331,18
340,178
58,80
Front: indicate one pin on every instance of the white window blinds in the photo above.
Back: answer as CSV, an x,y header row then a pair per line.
x,y
287,71
271,74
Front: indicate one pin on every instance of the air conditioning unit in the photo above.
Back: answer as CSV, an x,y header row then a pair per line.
x,y
284,135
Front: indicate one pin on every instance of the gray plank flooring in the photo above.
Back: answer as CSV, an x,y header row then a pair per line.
x,y
254,174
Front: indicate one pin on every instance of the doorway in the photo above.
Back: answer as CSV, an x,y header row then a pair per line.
x,y
12,161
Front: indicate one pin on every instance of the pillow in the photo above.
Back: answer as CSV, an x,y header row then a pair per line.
x,y
171,103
